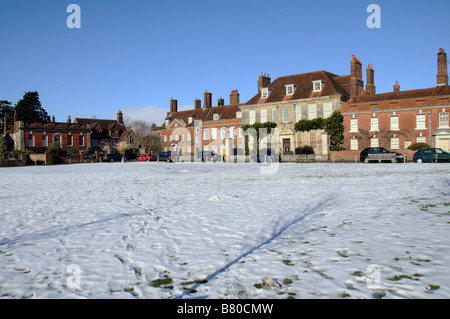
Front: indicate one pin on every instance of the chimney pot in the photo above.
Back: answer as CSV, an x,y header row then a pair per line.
x,y
442,75
234,97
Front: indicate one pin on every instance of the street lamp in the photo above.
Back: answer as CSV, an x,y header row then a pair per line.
x,y
429,128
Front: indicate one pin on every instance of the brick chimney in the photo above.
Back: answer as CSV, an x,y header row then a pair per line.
x,y
173,106
220,102
370,85
234,97
442,76
197,104
69,120
396,87
356,82
207,99
263,81
120,117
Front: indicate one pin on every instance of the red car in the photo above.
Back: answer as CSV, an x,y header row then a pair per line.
x,y
146,158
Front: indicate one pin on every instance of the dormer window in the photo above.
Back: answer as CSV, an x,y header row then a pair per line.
x,y
264,93
167,122
239,114
290,88
216,117
317,86
190,119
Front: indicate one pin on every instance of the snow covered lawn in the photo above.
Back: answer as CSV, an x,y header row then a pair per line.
x,y
200,230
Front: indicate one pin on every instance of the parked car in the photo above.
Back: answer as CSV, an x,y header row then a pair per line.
x,y
431,155
264,157
400,158
112,157
206,156
164,156
146,158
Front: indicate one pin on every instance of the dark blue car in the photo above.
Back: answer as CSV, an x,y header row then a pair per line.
x,y
164,156
431,155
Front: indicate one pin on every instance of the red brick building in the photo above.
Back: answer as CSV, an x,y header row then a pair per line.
x,y
397,119
39,136
207,128
109,136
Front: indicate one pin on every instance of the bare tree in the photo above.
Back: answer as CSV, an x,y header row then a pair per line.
x,y
147,135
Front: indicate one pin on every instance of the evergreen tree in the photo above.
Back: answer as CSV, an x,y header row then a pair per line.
x,y
6,108
29,109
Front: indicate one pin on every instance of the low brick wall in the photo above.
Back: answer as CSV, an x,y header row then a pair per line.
x,y
344,156
307,158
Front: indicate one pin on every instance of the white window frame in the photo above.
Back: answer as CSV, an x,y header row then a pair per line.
x,y
232,132
443,120
394,122
216,117
223,133
275,115
214,133
327,109
317,86
239,114
395,143
264,93
421,139
353,124
69,140
206,134
354,145
312,111
421,121
81,140
290,89
263,115
374,142
298,113
32,144
374,125
286,115
252,117
44,140
190,119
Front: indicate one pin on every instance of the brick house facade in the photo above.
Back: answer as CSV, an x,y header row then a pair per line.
x,y
207,128
109,136
40,136
397,119
292,98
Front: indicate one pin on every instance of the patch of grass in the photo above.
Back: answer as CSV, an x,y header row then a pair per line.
x,y
258,286
162,282
400,277
287,281
358,273
434,287
287,262
345,295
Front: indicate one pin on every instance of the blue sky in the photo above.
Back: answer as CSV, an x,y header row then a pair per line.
x,y
136,55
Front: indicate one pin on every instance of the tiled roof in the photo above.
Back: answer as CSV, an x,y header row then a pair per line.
x,y
333,85
420,93
56,126
104,124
